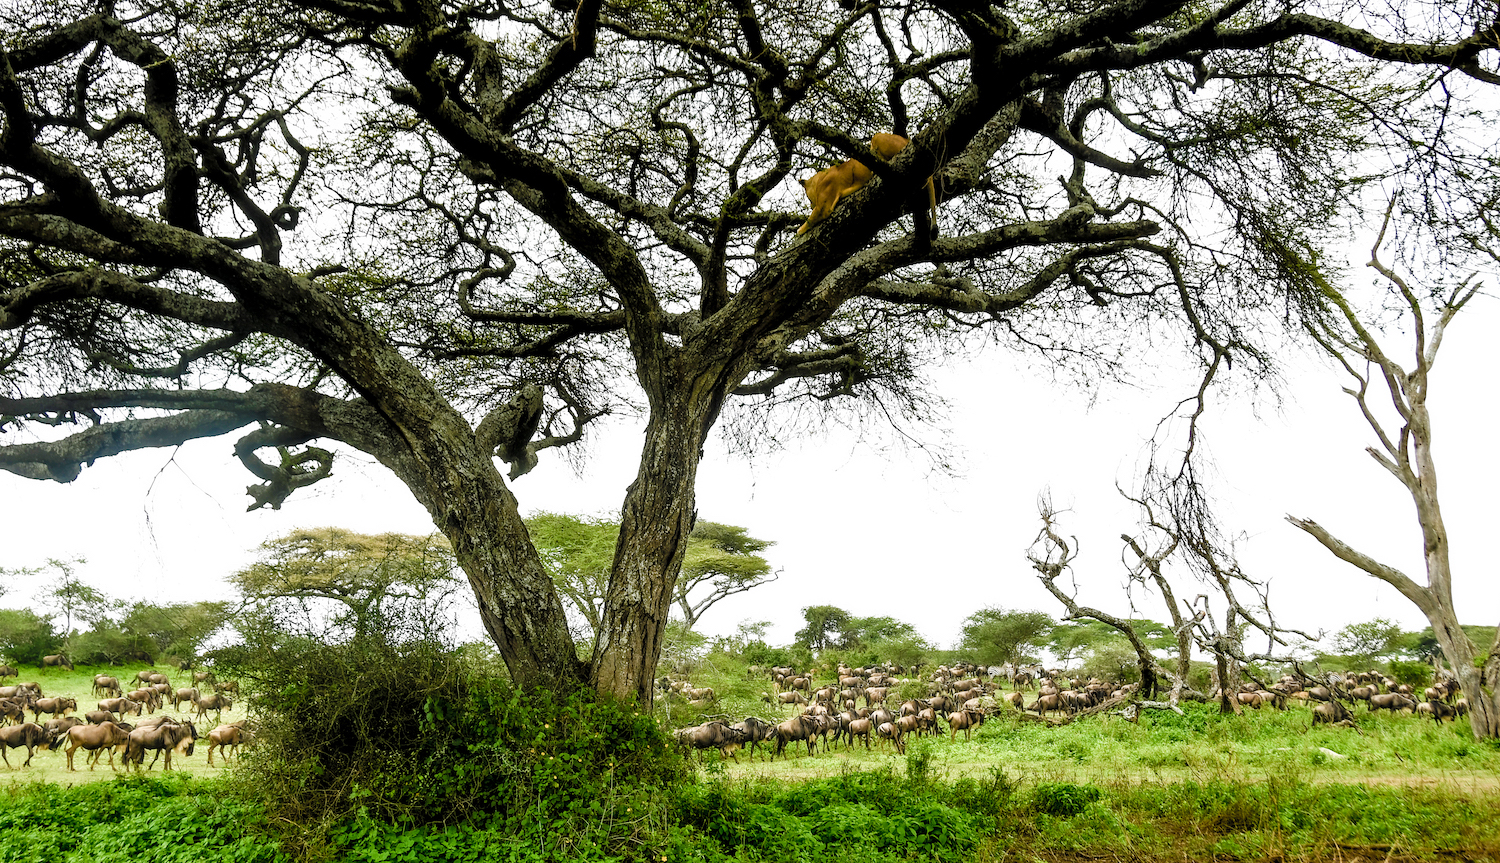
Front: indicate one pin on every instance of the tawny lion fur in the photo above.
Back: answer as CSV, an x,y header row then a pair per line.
x,y
825,188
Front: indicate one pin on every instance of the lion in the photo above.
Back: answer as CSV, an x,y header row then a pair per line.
x,y
825,188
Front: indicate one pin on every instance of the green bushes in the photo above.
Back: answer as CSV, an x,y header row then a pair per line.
x,y
175,820
414,734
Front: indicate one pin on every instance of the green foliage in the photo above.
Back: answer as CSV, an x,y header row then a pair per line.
x,y
995,636
412,734
1365,642
1063,799
25,636
858,816
919,761
332,583
579,551
1416,674
176,629
108,643
825,625
172,820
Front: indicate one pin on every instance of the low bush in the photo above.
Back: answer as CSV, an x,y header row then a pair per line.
x,y
167,820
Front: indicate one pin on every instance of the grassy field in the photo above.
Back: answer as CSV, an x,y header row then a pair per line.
x,y
78,684
1259,786
1383,749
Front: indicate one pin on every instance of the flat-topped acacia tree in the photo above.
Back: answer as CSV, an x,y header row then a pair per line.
x,y
444,234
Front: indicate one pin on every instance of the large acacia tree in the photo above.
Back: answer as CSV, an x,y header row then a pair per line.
x,y
449,234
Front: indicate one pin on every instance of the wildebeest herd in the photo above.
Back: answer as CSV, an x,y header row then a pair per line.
x,y
126,723
858,704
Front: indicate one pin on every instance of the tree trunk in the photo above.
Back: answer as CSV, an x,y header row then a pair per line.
x,y
657,517
469,502
1226,694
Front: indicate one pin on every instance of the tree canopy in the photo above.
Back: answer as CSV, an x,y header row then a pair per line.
x,y
995,636
721,560
451,236
332,582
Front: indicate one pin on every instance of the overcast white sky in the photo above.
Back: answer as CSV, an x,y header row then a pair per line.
x,y
879,535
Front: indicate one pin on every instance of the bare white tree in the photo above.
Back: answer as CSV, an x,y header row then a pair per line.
x,y
1407,455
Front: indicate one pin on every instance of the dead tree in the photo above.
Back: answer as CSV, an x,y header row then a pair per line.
x,y
1407,456
1051,556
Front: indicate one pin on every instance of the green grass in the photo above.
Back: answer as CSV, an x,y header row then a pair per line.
x,y
53,766
1258,786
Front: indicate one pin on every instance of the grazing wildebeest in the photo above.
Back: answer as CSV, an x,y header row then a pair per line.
x,y
121,706
27,734
1330,712
8,671
149,697
96,739
713,735
168,737
57,660
1392,701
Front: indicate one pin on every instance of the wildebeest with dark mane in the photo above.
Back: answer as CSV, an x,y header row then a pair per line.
x,y
27,734
168,737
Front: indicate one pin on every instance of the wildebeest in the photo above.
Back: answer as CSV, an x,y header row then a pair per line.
x,y
216,703
168,737
57,729
185,694
57,660
106,686
57,706
756,731
8,671
29,735
1330,712
149,697
796,728
121,706
1438,710
227,738
1391,701
713,735
96,739
965,721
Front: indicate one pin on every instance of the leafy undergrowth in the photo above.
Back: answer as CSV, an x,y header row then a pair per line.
x,y
164,820
860,816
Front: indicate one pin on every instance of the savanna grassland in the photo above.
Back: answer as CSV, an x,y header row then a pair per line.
x,y
78,684
483,772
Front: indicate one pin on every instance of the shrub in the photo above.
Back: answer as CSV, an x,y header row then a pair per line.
x,y
1063,799
1414,674
413,734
